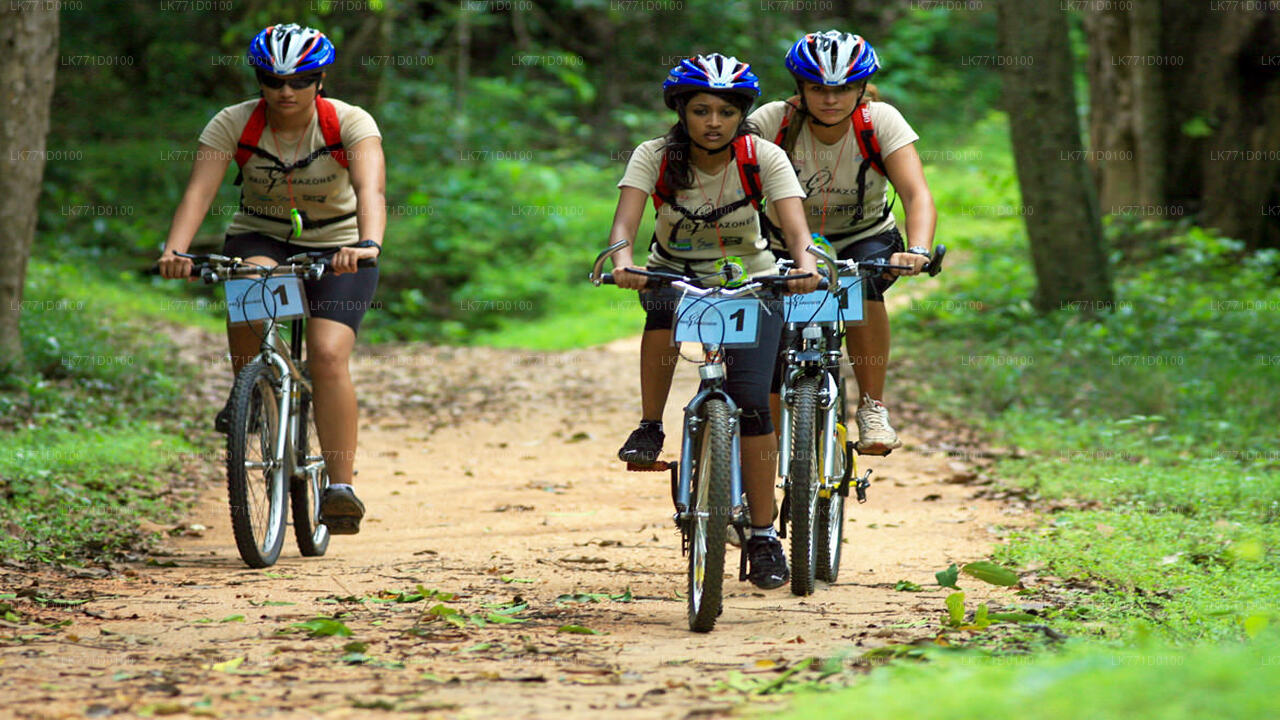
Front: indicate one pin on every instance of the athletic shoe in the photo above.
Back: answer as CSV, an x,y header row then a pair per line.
x,y
875,435
767,561
643,446
341,510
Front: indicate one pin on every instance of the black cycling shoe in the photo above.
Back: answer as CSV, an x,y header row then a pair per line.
x,y
341,510
643,446
222,421
768,562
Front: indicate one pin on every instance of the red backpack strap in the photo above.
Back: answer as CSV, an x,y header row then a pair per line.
x,y
252,133
331,129
865,133
782,129
662,193
744,151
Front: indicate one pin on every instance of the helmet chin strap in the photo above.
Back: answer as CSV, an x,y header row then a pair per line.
x,y
698,145
708,150
814,118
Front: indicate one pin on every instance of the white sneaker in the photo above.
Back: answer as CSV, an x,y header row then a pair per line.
x,y
875,435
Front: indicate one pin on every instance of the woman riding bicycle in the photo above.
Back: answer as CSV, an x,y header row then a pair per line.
x,y
846,192
704,214
301,191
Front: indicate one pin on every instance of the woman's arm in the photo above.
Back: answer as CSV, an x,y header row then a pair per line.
x,y
206,175
626,221
369,180
795,230
907,175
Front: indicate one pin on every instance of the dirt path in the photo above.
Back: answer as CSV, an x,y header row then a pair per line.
x,y
489,478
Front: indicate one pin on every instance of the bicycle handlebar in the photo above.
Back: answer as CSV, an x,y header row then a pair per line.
x,y
661,279
212,268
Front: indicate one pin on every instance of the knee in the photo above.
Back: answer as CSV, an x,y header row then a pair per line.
x,y
327,360
755,421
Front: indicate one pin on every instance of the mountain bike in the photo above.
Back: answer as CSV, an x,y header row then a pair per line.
x,y
816,460
706,483
272,446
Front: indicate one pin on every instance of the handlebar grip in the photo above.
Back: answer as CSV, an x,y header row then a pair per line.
x,y
367,262
935,265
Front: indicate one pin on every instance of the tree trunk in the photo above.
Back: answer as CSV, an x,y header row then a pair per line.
x,y
462,79
28,61
1198,107
1061,209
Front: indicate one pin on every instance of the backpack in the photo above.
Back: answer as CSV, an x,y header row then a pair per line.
x,y
330,128
865,135
744,152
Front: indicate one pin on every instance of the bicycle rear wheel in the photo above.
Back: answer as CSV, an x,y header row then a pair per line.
x,y
308,479
255,476
802,483
709,511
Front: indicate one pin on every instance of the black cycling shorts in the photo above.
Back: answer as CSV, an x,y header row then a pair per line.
x,y
881,246
749,370
343,298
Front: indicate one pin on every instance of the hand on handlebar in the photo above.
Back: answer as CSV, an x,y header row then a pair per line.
x,y
628,280
806,284
917,263
172,266
344,261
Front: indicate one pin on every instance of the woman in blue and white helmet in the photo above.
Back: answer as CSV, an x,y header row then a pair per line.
x,y
704,213
313,177
846,190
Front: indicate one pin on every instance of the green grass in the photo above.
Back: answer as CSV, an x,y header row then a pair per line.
x,y
92,432
1152,681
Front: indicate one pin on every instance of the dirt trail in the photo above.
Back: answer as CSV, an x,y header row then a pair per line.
x,y
490,475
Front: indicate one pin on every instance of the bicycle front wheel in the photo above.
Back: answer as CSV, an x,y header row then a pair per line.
x,y
255,475
709,511
307,483
802,483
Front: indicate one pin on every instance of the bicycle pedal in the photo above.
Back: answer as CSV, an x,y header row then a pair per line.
x,y
876,454
659,466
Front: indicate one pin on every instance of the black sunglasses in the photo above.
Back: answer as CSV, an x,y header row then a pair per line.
x,y
297,83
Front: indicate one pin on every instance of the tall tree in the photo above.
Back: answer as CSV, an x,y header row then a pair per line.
x,y
28,60
1185,111
1062,215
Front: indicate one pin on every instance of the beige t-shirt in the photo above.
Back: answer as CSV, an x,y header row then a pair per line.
x,y
695,240
321,190
838,188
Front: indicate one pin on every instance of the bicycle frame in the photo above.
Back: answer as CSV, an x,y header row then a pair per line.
x,y
822,360
712,373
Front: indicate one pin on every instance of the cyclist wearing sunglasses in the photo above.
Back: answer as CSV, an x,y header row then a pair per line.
x,y
313,176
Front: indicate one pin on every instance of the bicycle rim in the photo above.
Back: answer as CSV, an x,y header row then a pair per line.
x,y
309,478
802,484
710,508
255,477
830,536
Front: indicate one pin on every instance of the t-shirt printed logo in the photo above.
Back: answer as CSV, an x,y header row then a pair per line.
x,y
818,181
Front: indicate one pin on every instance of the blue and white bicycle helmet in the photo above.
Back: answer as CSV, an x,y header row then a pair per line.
x,y
290,49
710,73
832,58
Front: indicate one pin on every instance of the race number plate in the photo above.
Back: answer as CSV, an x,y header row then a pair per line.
x,y
820,306
278,298
732,322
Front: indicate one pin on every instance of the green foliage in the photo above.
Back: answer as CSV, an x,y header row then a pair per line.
x,y
93,431
1151,681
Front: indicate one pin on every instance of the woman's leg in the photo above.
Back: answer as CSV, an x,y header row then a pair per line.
x,y
868,346
657,367
329,346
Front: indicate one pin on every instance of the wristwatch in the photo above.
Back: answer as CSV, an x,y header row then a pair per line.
x,y
369,244
921,250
